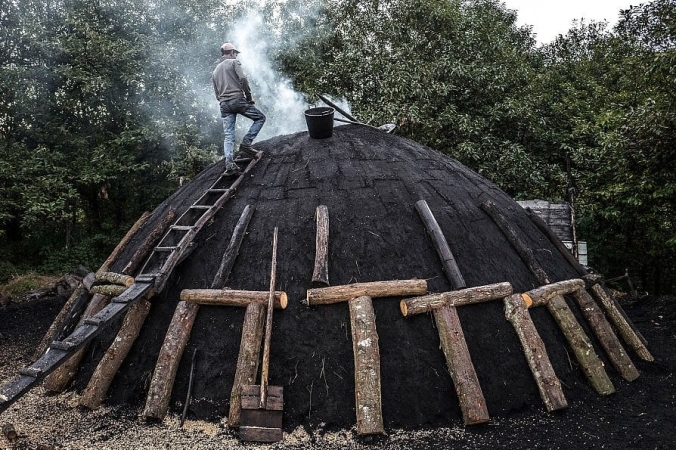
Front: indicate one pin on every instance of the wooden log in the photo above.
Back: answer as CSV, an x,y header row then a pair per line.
x,y
103,375
609,341
441,245
144,249
425,303
320,275
366,367
114,278
541,295
110,290
547,382
123,243
247,361
231,252
459,363
9,431
178,334
524,252
374,289
623,325
89,280
232,297
59,379
162,382
60,320
581,346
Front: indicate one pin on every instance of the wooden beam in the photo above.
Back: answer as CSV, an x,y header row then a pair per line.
x,y
231,297
479,294
123,243
541,295
320,275
547,382
109,290
151,239
366,367
114,278
374,289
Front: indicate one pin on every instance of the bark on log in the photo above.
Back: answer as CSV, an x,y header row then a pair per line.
x,y
630,337
547,382
541,295
123,243
581,345
144,249
230,255
247,361
114,278
459,363
366,367
102,377
609,341
232,297
172,349
59,379
337,294
425,303
320,274
441,245
60,320
110,290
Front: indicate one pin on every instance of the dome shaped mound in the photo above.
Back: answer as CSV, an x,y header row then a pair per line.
x,y
370,182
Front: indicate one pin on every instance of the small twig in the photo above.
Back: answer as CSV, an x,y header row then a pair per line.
x,y
309,411
323,374
189,395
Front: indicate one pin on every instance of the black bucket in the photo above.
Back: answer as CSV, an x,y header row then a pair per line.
x,y
319,122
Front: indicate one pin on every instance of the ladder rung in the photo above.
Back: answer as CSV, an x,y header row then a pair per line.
x,y
182,227
61,345
165,249
92,321
202,206
217,191
30,371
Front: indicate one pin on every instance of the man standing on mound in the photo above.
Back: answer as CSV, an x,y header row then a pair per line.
x,y
234,95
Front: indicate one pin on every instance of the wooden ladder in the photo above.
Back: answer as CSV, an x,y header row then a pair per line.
x,y
172,249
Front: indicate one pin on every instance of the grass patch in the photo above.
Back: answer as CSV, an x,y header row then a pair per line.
x,y
21,286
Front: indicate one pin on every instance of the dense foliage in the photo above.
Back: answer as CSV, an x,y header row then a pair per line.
x,y
104,108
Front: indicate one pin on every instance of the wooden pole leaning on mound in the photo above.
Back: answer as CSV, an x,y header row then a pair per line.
x,y
451,335
162,382
631,336
368,404
320,275
592,366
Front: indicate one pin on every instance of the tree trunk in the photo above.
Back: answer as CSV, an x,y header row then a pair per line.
x,y
366,367
534,349
320,274
459,362
425,303
337,294
112,360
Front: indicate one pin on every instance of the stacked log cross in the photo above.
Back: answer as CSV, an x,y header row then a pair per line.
x,y
367,381
176,339
631,336
451,336
584,352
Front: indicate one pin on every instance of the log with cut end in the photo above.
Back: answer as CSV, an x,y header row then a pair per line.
x,y
232,297
607,337
59,379
460,366
247,361
584,352
102,377
425,303
374,289
541,295
547,382
114,278
170,355
144,249
366,367
320,275
110,290
623,325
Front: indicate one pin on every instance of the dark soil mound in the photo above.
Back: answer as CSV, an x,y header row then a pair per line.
x,y
370,182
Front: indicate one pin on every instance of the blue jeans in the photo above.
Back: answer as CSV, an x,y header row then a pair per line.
x,y
229,111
